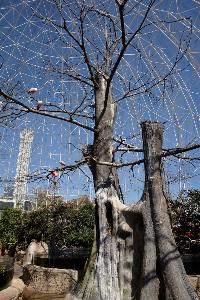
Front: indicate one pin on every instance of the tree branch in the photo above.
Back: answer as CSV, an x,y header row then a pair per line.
x,y
44,113
87,159
40,174
180,150
121,54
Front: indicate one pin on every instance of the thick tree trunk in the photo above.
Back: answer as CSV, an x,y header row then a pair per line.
x,y
169,270
134,255
174,283
108,204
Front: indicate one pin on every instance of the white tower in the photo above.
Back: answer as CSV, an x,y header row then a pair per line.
x,y
19,195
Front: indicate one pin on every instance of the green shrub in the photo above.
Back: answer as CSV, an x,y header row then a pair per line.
x,y
186,214
74,226
10,228
35,225
60,225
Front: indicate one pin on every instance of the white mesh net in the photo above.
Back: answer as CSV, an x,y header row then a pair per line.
x,y
36,54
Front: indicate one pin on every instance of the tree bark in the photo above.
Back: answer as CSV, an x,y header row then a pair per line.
x,y
134,255
103,282
170,270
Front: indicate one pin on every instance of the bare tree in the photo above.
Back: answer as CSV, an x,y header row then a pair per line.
x,y
134,255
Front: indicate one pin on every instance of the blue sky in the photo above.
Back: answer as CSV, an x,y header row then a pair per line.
x,y
28,47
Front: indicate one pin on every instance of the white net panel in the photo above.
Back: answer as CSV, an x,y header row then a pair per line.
x,y
36,54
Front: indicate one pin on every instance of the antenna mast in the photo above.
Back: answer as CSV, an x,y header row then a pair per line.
x,y
19,195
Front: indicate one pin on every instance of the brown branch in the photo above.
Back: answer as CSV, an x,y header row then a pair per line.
x,y
116,165
180,150
144,88
43,113
137,162
75,75
186,157
48,172
128,149
87,159
80,44
75,112
83,47
121,54
121,15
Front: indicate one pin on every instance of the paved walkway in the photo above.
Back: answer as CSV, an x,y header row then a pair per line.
x,y
18,270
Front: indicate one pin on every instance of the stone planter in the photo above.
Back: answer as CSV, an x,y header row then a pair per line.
x,y
49,280
6,271
14,291
195,281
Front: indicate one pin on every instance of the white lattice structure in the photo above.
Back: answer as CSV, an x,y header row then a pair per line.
x,y
31,50
19,195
